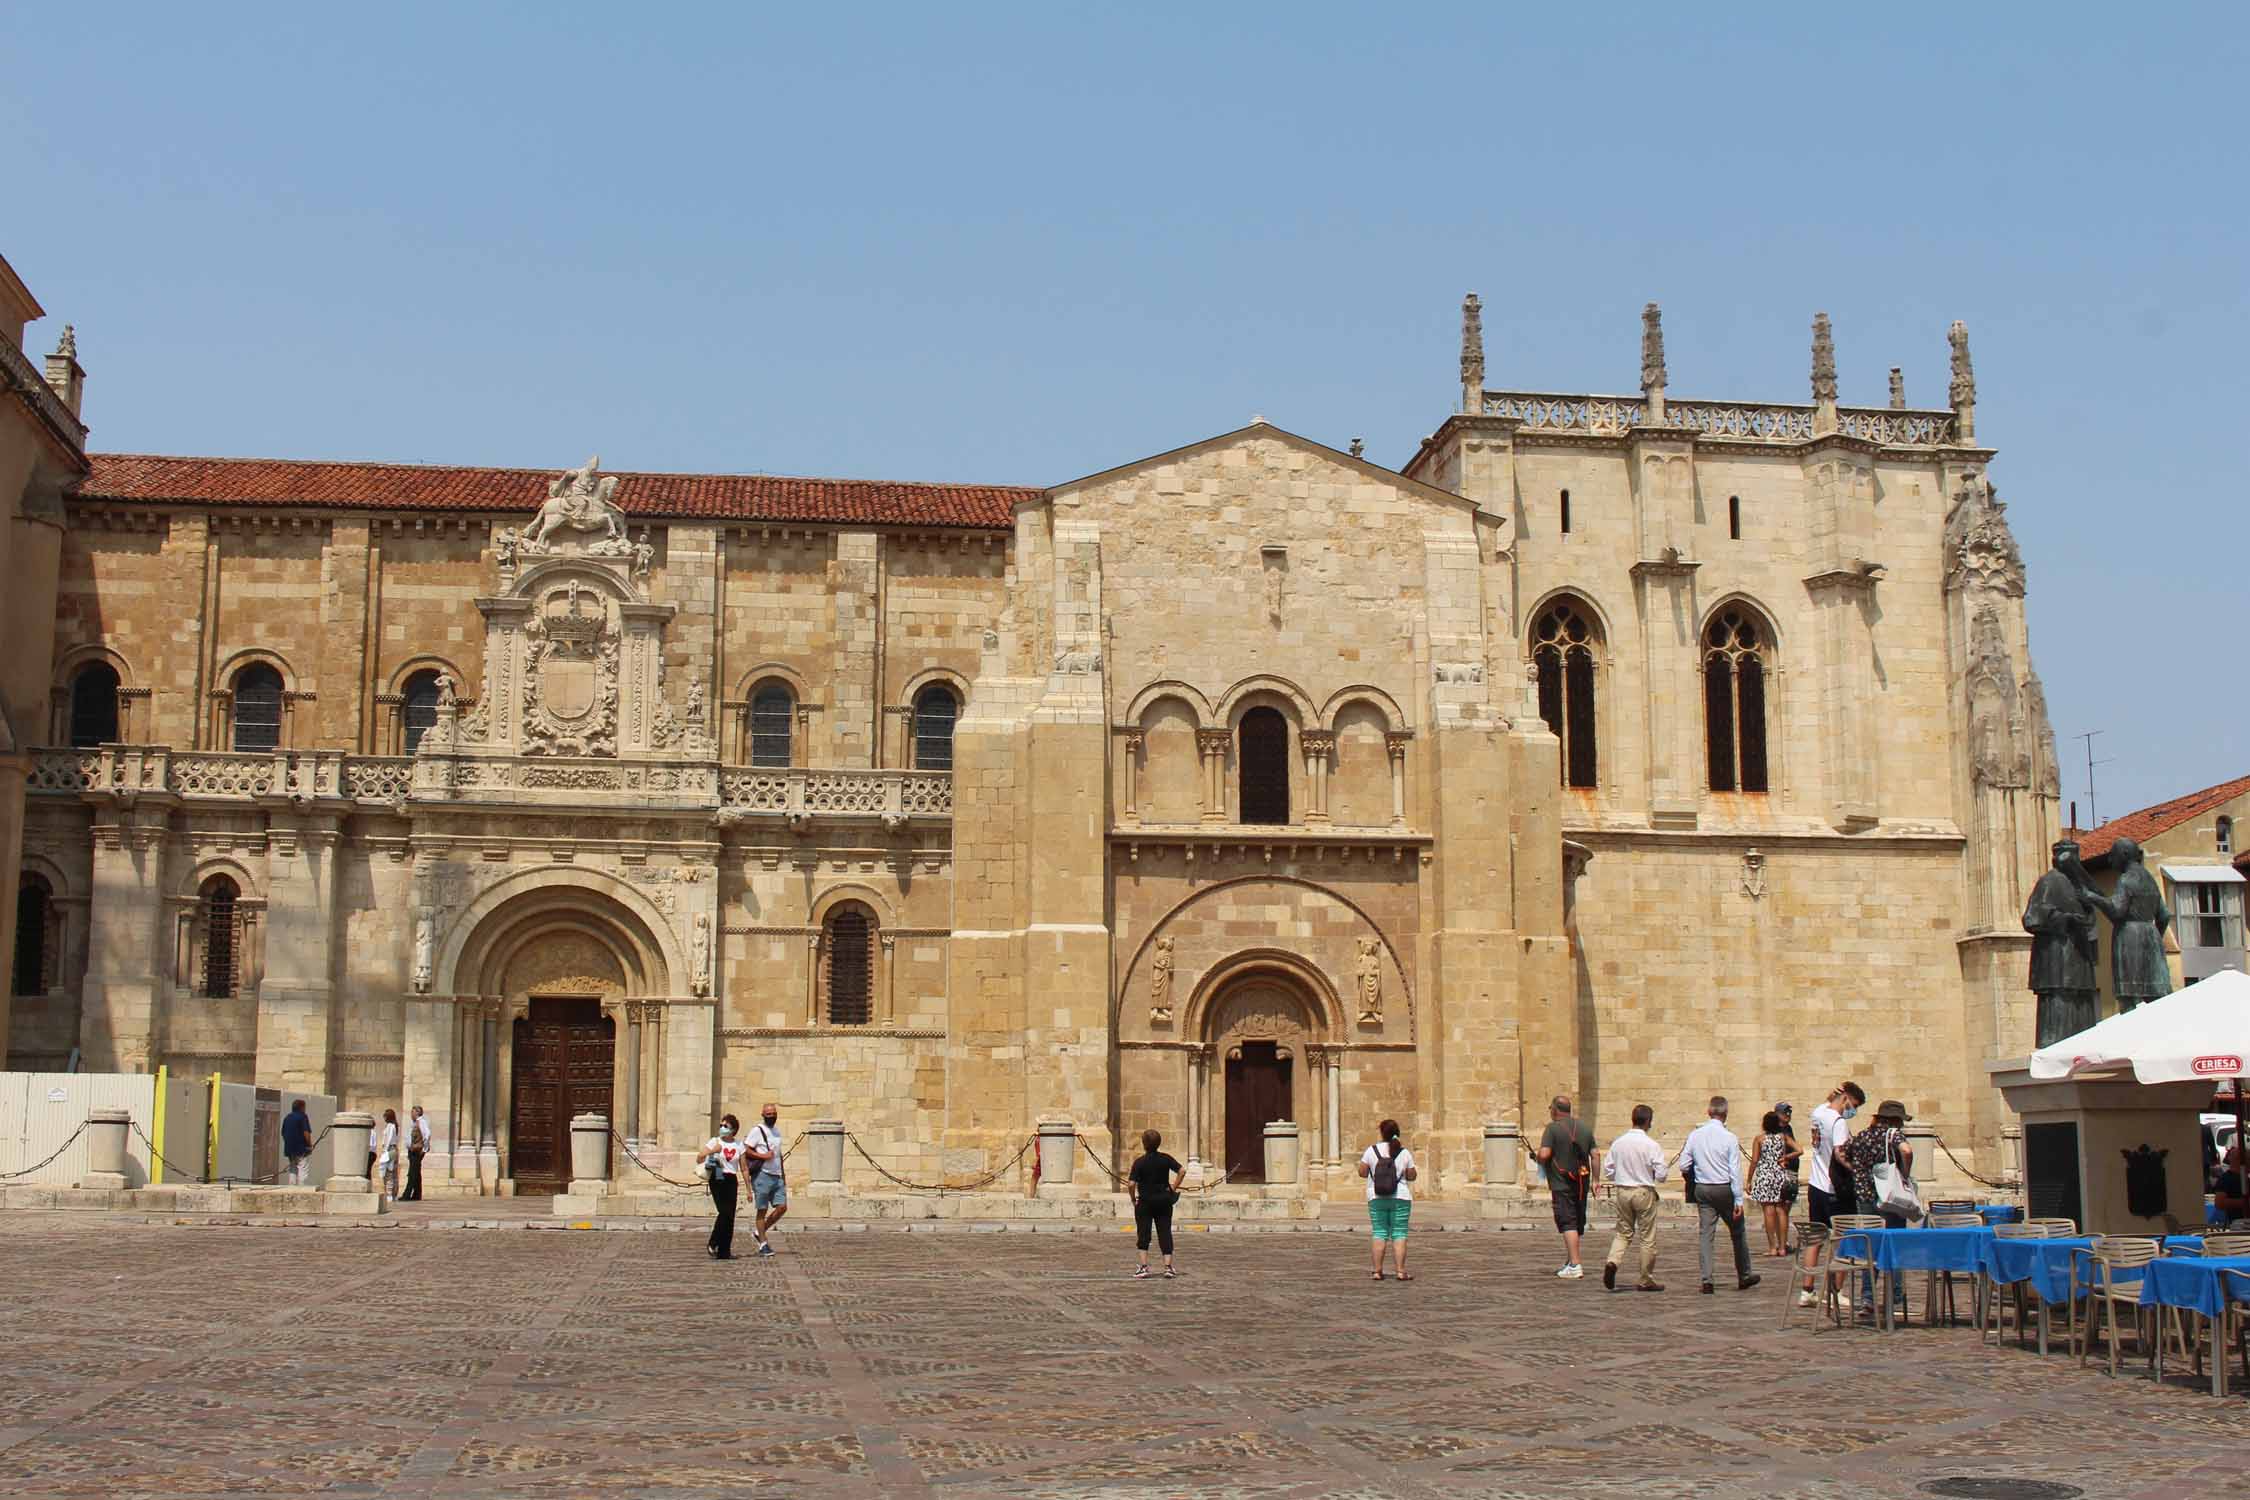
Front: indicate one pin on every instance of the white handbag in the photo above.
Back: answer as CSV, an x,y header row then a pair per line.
x,y
1895,1192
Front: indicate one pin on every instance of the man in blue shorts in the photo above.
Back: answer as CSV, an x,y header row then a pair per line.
x,y
769,1189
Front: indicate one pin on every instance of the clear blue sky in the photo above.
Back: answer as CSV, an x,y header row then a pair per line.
x,y
1022,244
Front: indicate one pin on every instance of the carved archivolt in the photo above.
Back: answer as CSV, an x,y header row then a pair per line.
x,y
565,963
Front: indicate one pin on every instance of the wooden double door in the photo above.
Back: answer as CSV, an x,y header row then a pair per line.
x,y
565,1051
1257,1092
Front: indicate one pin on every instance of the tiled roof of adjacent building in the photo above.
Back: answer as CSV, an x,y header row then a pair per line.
x,y
2150,821
151,478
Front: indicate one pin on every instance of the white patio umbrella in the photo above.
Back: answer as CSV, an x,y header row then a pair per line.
x,y
2202,1031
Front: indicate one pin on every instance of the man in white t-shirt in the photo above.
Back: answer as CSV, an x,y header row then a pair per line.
x,y
1828,1184
769,1188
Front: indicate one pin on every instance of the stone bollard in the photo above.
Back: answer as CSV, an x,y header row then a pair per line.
x,y
1281,1152
105,1148
348,1134
824,1145
2011,1155
589,1154
1058,1151
1930,1165
1503,1156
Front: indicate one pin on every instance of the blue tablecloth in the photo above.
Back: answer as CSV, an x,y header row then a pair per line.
x,y
2000,1213
2046,1263
2192,1281
1896,1250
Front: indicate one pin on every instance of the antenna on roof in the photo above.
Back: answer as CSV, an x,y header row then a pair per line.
x,y
2093,803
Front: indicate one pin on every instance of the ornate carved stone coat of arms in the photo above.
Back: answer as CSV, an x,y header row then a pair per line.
x,y
570,675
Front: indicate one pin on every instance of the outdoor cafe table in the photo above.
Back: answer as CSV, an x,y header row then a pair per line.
x,y
1999,1213
1899,1250
2198,1284
2046,1265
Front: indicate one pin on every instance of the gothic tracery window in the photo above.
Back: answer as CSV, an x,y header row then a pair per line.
x,y
1563,649
219,920
257,708
773,719
848,959
93,706
1735,651
1262,760
935,712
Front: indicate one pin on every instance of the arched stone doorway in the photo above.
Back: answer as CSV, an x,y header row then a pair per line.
x,y
1267,1026
563,1015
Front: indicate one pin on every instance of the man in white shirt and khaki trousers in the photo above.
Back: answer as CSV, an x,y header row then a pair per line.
x,y
1634,1166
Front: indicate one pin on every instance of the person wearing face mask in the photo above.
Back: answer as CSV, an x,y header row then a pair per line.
x,y
769,1189
722,1159
1828,1188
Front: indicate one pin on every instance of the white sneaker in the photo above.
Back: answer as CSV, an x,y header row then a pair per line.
x,y
1804,1299
1572,1271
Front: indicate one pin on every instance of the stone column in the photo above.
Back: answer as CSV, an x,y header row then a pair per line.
x,y
633,1015
296,986
1336,1108
118,1015
1133,741
1394,745
1212,745
349,1132
1193,1123
488,1094
1317,744
105,1148
824,1145
653,1132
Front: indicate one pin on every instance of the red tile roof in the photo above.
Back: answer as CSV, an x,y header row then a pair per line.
x,y
2150,821
142,477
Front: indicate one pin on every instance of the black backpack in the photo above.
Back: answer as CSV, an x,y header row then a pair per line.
x,y
1385,1172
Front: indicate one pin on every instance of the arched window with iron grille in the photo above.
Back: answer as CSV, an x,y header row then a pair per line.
x,y
220,918
936,710
1563,642
1735,667
418,708
1261,752
257,708
773,723
93,705
848,955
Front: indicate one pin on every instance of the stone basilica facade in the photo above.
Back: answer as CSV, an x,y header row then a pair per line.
x,y
1632,746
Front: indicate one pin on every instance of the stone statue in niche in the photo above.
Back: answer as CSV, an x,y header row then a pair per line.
x,y
580,501
695,701
447,690
644,555
1370,982
2061,923
425,949
1160,983
504,543
2137,917
699,959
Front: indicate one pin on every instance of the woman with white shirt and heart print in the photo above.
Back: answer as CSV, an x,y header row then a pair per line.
x,y
724,1158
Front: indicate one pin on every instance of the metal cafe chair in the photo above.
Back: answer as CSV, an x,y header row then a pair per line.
x,y
1841,1267
1940,1292
1813,1241
2106,1292
1994,1324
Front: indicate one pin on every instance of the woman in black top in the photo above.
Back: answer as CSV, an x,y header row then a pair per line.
x,y
1154,1184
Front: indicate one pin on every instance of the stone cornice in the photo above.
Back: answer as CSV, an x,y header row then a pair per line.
x,y
1917,837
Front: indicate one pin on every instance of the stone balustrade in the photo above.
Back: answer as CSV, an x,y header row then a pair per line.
x,y
1734,421
794,793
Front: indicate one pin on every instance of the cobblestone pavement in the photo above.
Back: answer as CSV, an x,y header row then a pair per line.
x,y
179,1361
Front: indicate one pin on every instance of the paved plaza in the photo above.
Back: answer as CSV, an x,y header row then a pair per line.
x,y
193,1361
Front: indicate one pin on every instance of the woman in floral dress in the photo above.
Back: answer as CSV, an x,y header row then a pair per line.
x,y
1769,1181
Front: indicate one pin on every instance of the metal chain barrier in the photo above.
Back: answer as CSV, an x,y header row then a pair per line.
x,y
283,1171
675,1183
2000,1187
59,1150
1119,1182
986,1180
169,1164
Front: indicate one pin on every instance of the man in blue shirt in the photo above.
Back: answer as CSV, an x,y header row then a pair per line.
x,y
1715,1159
296,1143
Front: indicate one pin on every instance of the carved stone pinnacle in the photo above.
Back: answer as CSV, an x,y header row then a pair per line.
x,y
1823,359
1652,348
